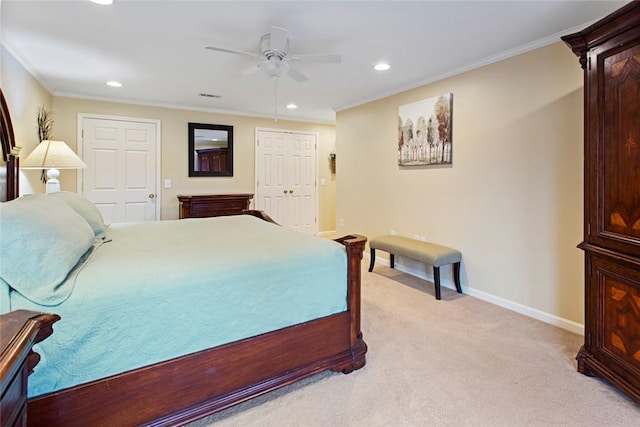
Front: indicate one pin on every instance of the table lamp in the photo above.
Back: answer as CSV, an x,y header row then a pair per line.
x,y
52,155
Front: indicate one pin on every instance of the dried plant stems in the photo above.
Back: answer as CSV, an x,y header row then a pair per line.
x,y
45,130
45,124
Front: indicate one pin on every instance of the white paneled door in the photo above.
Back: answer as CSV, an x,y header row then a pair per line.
x,y
122,167
286,178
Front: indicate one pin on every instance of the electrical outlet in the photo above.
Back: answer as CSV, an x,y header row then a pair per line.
x,y
341,222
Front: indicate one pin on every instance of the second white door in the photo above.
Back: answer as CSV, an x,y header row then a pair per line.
x,y
286,178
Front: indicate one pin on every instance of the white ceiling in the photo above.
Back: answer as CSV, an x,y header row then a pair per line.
x,y
156,48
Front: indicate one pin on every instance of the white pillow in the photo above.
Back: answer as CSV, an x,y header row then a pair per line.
x,y
41,240
85,208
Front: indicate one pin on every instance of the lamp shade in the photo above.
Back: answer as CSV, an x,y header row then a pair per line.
x,y
52,154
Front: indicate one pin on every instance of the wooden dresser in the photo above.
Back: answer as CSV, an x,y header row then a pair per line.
x,y
19,331
609,53
213,205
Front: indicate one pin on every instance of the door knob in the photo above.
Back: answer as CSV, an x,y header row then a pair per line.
x,y
151,195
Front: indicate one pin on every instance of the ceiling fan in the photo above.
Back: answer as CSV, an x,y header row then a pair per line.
x,y
274,58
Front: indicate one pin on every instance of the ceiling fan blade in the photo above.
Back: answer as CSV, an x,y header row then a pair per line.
x,y
296,75
279,40
234,51
320,58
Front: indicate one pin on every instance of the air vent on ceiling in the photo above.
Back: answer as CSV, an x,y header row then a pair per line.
x,y
209,95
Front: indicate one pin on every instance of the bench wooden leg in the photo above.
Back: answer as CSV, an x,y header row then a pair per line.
x,y
436,281
392,260
456,276
373,259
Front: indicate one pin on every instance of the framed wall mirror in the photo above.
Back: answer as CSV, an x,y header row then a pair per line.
x,y
210,150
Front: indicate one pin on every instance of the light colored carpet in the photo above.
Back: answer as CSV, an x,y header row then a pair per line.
x,y
455,362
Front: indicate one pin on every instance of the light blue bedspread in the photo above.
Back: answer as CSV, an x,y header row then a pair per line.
x,y
164,289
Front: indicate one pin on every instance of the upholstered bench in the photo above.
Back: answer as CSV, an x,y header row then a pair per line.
x,y
417,250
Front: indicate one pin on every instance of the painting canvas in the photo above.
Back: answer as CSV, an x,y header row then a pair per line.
x,y
424,132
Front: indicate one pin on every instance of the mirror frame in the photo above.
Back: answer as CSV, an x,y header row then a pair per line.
x,y
191,150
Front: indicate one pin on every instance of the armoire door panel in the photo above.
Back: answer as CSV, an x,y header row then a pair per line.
x,y
618,300
619,180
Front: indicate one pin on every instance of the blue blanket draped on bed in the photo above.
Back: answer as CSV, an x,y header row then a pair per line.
x,y
159,290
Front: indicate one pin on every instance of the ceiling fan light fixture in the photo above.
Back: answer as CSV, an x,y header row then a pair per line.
x,y
102,2
292,106
381,66
275,68
114,83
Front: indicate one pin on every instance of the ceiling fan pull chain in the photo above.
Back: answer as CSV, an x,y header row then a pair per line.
x,y
275,96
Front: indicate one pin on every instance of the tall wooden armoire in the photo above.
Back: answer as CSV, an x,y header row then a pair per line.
x,y
609,53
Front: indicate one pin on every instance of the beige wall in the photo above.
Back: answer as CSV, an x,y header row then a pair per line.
x,y
25,94
511,201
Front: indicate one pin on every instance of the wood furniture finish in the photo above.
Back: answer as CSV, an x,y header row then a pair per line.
x,y
429,253
212,159
213,205
609,52
19,331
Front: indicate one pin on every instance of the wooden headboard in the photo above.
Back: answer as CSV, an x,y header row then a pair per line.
x,y
9,151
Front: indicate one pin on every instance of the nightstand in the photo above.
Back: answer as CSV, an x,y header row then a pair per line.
x,y
19,331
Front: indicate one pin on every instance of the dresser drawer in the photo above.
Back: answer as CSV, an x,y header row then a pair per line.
x,y
205,208
213,205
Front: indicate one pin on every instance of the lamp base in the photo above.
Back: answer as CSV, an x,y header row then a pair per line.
x,y
53,185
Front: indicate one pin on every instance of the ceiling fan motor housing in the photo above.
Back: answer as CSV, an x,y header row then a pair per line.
x,y
268,52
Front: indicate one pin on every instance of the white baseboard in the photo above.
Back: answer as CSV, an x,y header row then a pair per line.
x,y
551,319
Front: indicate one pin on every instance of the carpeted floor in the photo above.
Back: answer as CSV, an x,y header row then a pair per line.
x,y
455,362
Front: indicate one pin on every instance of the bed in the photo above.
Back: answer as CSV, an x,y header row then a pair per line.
x,y
173,363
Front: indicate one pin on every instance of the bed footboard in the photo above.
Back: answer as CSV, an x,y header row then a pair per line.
x,y
185,389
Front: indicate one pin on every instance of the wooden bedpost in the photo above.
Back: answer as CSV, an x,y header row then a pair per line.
x,y
9,151
354,245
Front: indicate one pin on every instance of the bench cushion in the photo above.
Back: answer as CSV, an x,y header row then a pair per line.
x,y
428,253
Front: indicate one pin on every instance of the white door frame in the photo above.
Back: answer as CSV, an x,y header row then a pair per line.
x,y
80,148
255,162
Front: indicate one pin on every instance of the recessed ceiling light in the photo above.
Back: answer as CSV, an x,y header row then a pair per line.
x,y
113,83
102,2
382,66
292,106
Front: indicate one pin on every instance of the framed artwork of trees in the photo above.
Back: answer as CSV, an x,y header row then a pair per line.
x,y
424,132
